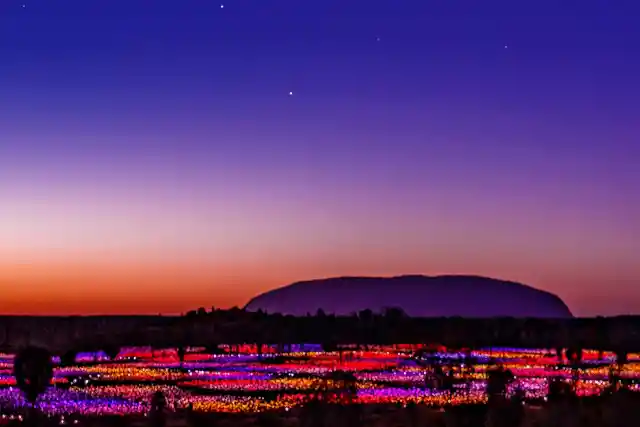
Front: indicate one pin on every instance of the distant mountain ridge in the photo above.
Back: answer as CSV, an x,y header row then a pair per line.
x,y
418,295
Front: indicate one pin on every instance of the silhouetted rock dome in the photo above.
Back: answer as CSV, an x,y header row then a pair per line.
x,y
418,296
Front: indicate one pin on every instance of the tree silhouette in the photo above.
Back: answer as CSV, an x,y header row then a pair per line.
x,y
622,357
181,355
68,358
158,405
559,355
574,357
345,385
498,378
112,351
33,370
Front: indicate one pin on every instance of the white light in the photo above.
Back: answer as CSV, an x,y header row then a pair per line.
x,y
290,93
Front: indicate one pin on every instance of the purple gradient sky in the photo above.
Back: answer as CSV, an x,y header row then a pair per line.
x,y
151,159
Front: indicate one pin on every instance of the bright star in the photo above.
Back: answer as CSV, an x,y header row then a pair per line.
x,y
221,6
290,93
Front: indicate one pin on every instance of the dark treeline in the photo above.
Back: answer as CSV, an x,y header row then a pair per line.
x,y
236,326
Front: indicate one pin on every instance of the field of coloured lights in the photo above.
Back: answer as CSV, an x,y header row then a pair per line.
x,y
246,382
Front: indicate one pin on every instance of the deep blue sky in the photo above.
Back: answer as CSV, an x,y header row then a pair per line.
x,y
155,143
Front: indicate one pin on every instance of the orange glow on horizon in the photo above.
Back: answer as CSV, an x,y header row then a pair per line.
x,y
112,286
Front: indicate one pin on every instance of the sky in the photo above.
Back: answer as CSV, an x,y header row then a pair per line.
x,y
159,156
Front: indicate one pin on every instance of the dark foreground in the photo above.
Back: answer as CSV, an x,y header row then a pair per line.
x,y
620,409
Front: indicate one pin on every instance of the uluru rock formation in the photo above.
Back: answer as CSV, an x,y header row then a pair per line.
x,y
418,296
